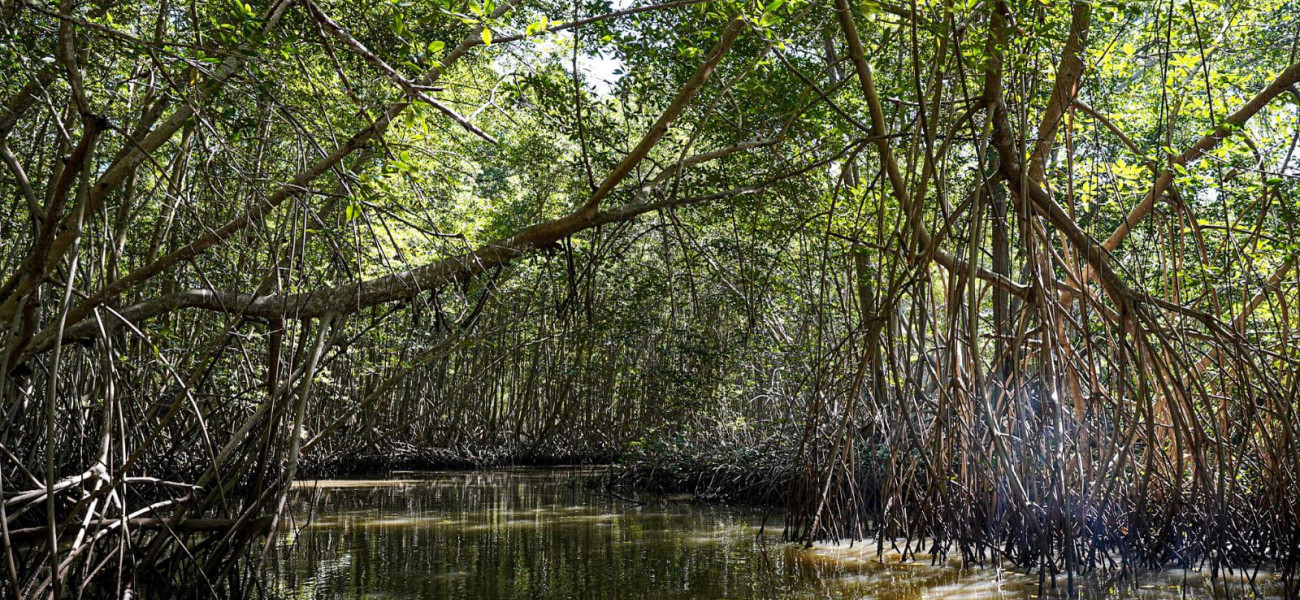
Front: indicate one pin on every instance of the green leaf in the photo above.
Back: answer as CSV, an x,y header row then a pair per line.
x,y
487,36
436,46
537,26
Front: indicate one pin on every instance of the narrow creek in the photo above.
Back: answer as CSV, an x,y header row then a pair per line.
x,y
539,534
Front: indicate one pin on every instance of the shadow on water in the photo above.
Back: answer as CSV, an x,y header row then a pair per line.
x,y
539,534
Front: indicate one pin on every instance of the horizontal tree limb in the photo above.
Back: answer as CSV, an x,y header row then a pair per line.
x,y
197,525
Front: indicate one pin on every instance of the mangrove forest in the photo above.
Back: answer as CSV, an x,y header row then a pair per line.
x,y
997,286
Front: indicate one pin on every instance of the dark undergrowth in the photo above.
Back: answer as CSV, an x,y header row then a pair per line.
x,y
434,459
757,474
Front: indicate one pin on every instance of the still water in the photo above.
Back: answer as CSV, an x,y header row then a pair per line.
x,y
540,535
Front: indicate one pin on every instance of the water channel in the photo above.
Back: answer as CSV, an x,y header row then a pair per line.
x,y
539,534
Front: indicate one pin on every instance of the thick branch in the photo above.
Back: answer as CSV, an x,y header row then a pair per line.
x,y
669,115
24,99
351,297
299,182
1009,162
131,158
1234,122
1065,87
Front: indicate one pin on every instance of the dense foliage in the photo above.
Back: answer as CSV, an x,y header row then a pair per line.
x,y
1013,278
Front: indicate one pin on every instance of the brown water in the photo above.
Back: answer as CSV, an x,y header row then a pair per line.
x,y
539,535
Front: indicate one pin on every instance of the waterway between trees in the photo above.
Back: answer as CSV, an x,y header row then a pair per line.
x,y
540,534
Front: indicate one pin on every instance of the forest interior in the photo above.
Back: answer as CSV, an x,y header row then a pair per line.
x,y
1008,280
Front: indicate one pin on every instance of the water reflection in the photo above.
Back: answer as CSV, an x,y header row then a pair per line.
x,y
537,534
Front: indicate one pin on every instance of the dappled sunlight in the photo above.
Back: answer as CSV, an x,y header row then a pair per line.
x,y
534,534
671,299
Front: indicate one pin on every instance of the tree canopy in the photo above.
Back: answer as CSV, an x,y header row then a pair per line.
x,y
1024,266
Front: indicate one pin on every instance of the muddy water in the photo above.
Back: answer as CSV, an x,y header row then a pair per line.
x,y
539,535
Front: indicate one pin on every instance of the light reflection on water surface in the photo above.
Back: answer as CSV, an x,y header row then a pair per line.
x,y
538,535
